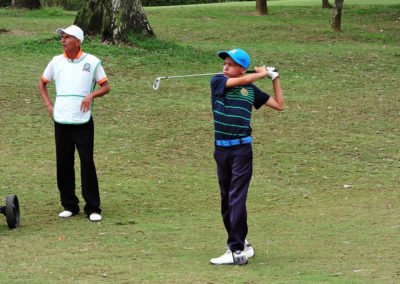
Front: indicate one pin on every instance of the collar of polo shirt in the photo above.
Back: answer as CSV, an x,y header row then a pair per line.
x,y
77,56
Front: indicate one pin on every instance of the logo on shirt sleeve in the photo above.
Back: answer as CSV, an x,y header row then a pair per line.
x,y
86,67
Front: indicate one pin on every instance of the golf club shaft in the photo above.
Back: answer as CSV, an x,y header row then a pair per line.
x,y
196,75
157,81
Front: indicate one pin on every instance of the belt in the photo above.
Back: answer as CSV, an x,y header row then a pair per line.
x,y
234,142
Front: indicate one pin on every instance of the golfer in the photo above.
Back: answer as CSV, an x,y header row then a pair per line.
x,y
233,96
75,74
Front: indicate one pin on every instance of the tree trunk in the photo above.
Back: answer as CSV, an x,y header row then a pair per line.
x,y
337,16
113,20
28,4
261,7
325,4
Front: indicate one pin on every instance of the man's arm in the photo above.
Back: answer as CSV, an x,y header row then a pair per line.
x,y
87,101
45,96
276,102
260,72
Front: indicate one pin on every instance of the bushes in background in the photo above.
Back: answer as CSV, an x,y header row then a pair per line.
x,y
4,3
181,2
73,5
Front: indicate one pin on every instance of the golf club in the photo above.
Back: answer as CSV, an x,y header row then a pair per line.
x,y
156,84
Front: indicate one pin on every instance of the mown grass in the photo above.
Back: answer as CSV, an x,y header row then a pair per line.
x,y
159,191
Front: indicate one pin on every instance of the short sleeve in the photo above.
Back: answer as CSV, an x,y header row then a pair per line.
x,y
48,74
218,84
100,75
260,98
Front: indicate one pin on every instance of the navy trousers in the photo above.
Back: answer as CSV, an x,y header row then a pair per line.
x,y
234,169
68,137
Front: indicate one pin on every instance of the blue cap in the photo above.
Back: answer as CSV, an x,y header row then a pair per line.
x,y
238,55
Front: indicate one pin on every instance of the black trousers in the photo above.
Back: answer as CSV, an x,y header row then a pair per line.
x,y
234,169
68,137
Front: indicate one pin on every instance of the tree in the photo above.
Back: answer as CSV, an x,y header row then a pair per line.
x,y
28,4
337,16
261,7
325,4
113,20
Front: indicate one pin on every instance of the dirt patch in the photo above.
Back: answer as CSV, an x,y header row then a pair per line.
x,y
15,32
20,32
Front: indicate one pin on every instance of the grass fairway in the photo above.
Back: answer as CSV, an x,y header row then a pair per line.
x,y
154,150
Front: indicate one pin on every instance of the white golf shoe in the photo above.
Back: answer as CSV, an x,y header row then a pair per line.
x,y
224,259
95,217
229,258
248,249
239,258
65,214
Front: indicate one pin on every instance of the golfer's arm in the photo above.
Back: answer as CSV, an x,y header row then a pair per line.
x,y
245,80
277,101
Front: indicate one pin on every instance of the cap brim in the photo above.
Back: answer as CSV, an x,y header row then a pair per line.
x,y
223,54
60,31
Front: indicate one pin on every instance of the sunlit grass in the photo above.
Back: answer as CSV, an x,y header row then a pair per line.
x,y
153,150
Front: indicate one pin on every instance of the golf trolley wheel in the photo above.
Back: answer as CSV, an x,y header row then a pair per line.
x,y
12,211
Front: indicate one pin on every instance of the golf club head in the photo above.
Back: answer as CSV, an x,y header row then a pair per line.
x,y
156,83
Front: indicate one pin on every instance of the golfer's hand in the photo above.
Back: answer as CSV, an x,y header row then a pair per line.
x,y
86,103
261,70
272,73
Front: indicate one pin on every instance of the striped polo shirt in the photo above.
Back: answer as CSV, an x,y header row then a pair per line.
x,y
232,108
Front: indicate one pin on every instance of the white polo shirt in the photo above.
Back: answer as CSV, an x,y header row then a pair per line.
x,y
74,79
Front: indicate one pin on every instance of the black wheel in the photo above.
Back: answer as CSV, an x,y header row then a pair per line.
x,y
12,211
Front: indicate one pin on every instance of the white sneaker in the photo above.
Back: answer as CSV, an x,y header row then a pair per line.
x,y
95,217
248,249
225,259
239,257
65,214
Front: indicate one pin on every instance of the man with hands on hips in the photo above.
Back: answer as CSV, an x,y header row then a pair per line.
x,y
75,74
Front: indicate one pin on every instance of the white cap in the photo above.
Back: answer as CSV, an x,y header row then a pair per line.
x,y
71,30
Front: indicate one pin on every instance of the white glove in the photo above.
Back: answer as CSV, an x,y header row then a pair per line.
x,y
272,73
